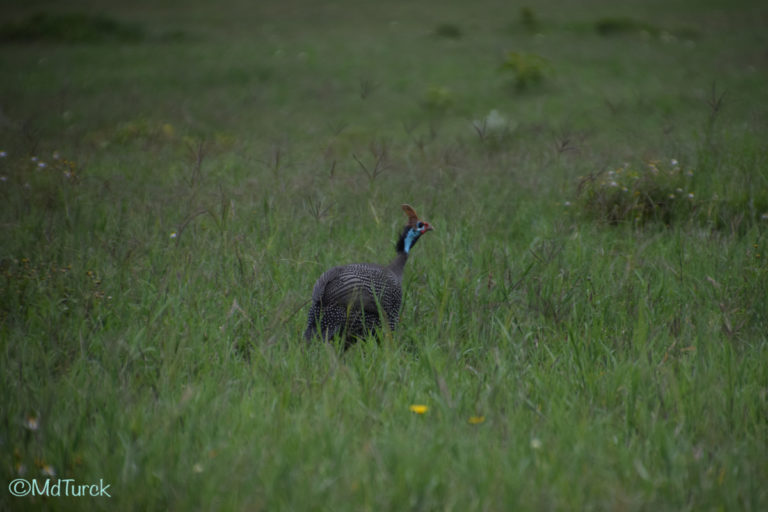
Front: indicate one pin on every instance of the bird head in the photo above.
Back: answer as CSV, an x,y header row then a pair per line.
x,y
413,230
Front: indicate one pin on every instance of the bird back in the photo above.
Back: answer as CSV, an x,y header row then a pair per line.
x,y
354,297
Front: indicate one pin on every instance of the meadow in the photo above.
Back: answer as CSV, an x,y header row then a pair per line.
x,y
585,329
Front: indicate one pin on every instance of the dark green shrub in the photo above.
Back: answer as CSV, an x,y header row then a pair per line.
x,y
617,26
656,191
69,28
527,69
437,99
528,19
448,31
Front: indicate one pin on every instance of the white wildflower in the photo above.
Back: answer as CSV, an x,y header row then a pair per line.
x,y
536,443
495,121
174,234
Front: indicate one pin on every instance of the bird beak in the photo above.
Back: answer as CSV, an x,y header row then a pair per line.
x,y
427,227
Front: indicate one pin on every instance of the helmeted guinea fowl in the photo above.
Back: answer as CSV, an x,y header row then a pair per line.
x,y
351,299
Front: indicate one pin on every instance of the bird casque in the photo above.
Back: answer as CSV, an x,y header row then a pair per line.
x,y
350,300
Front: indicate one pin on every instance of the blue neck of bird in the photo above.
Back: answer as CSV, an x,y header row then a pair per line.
x,y
410,238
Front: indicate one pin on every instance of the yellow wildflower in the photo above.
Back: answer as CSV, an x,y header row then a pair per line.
x,y
419,409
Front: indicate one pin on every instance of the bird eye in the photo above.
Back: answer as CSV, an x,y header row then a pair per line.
x,y
419,224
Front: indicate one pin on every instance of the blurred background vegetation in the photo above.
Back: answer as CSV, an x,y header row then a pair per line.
x,y
586,328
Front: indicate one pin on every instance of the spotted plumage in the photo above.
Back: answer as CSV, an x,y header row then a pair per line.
x,y
351,300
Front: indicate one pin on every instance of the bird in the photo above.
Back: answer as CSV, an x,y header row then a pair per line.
x,y
350,300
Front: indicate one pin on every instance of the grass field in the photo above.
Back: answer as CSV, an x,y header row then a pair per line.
x,y
587,326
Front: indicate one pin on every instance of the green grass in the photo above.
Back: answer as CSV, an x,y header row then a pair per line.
x,y
156,273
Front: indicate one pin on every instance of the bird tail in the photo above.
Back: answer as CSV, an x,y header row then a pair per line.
x,y
312,321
